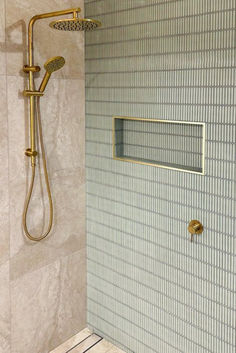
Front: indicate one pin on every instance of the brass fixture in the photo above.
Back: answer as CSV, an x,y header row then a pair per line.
x,y
27,68
28,93
195,227
75,24
53,64
50,66
30,153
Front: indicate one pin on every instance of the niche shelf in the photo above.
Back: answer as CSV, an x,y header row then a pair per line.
x,y
177,145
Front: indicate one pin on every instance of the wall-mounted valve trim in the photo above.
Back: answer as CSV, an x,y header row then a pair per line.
x,y
195,227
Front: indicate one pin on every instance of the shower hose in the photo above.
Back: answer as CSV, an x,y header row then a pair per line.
x,y
29,194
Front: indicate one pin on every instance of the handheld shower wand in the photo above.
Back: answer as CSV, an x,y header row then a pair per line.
x,y
72,24
53,64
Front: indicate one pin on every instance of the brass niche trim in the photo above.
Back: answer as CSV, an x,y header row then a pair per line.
x,y
125,159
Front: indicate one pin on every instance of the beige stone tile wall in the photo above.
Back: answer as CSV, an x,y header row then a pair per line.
x,y
42,284
4,197
4,308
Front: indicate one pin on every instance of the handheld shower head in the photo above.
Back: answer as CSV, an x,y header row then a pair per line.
x,y
53,64
75,24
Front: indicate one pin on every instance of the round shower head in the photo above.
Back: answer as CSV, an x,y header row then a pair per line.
x,y
54,64
75,24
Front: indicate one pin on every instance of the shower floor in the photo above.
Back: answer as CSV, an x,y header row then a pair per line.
x,y
87,341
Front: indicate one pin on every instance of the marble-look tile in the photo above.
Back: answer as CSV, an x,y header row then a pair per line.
x,y
48,305
62,115
4,196
43,275
71,342
2,39
48,42
18,129
71,315
68,232
63,118
4,309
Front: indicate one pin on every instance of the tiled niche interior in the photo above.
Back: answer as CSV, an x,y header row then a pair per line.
x,y
160,143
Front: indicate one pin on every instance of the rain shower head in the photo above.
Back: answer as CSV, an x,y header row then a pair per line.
x,y
76,24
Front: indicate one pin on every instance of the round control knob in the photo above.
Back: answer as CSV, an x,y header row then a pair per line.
x,y
195,227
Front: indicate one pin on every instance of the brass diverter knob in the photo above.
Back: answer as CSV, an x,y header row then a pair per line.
x,y
195,227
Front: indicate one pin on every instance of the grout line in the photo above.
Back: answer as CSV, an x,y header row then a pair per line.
x,y
158,54
89,45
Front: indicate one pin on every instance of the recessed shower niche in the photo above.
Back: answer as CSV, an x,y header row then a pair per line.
x,y
168,144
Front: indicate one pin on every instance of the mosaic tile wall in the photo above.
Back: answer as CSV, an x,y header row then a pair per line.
x,y
149,288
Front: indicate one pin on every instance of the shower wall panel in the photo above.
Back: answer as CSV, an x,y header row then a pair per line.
x,y
36,279
149,288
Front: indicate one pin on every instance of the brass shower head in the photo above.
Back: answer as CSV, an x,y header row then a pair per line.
x,y
53,64
75,24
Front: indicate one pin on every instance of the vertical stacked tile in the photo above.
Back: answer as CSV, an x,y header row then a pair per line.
x,y
149,288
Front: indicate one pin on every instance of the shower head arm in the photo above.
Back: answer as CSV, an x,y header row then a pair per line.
x,y
73,11
56,13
